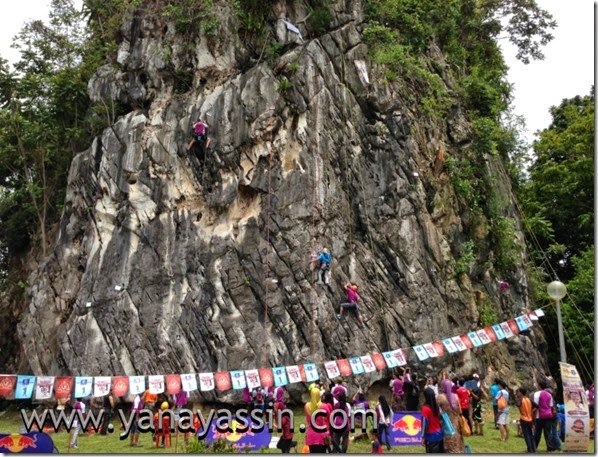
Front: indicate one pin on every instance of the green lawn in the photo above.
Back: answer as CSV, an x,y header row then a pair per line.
x,y
93,443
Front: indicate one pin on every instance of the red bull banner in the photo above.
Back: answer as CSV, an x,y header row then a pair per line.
x,y
120,386
406,428
249,440
26,443
577,413
173,384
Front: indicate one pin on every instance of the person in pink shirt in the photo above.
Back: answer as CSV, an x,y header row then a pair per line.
x,y
351,304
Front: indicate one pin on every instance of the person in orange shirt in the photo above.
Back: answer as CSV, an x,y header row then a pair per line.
x,y
526,419
149,399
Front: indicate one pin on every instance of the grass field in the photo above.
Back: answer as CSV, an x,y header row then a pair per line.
x,y
94,443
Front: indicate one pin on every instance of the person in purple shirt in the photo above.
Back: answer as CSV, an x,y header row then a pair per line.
x,y
360,404
279,394
351,304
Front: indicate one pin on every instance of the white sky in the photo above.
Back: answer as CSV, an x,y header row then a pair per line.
x,y
567,71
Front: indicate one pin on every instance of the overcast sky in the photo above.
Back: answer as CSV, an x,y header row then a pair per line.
x,y
568,69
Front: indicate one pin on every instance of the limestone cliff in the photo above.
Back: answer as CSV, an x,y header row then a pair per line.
x,y
162,265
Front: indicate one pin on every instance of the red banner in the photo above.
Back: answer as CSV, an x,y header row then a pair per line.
x,y
222,381
466,341
490,333
120,386
344,367
439,348
173,384
266,377
513,325
63,387
379,362
7,385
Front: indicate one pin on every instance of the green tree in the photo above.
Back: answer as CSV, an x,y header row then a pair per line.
x,y
559,193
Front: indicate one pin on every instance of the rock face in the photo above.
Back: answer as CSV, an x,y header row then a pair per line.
x,y
162,265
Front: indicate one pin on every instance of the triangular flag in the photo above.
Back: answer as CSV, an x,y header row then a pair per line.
x,y
206,382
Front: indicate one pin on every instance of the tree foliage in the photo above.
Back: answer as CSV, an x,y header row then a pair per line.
x,y
558,208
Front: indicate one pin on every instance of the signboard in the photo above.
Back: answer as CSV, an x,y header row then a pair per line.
x,y
577,414
406,428
250,440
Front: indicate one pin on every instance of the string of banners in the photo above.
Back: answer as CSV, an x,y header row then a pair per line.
x,y
21,387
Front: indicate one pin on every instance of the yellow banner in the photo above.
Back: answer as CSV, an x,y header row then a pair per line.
x,y
577,413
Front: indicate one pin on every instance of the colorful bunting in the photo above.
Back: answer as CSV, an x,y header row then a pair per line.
x,y
23,386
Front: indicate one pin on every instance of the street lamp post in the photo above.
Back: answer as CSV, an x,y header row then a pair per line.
x,y
558,290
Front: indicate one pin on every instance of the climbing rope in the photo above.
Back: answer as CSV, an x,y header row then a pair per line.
x,y
267,263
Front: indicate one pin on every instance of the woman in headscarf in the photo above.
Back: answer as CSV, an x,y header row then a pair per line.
x,y
315,439
449,403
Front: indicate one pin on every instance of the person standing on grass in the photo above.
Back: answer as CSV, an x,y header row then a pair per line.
x,y
449,403
494,388
79,409
476,411
432,434
503,411
135,409
526,419
384,415
108,408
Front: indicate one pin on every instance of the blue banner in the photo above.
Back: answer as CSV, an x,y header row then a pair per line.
x,y
24,387
405,429
250,440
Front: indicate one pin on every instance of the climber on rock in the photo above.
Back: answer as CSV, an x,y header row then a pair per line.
x,y
351,305
200,141
323,260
